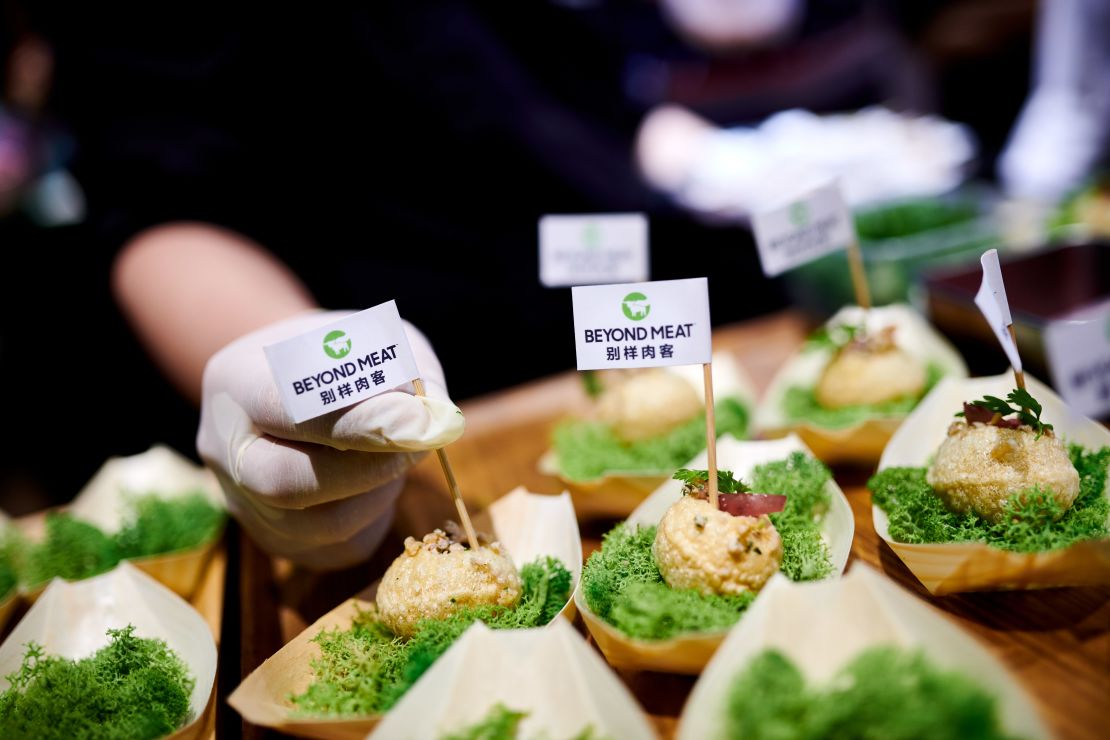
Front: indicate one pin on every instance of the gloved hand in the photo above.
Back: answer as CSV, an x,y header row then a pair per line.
x,y
322,492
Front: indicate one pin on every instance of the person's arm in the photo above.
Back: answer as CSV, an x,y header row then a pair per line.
x,y
188,289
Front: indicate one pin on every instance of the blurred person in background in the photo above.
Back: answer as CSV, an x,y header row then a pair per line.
x,y
248,168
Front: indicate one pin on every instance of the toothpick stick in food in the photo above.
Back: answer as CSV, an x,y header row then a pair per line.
x,y
452,484
859,275
1019,374
710,433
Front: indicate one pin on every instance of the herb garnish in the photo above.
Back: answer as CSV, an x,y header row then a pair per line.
x,y
696,480
1028,410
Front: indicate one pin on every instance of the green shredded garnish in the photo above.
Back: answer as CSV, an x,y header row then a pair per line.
x,y
9,576
1028,409
133,687
73,549
588,449
592,383
884,692
726,481
366,669
833,337
623,586
500,723
800,404
1033,520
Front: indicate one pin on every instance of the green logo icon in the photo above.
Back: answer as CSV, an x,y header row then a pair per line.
x,y
799,214
337,344
636,306
591,235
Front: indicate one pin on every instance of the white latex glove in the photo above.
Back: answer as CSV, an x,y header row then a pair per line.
x,y
322,492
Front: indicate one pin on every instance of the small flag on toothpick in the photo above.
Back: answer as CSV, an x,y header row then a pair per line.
x,y
992,302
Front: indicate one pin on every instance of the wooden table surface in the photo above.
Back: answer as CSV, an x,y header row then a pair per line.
x,y
1056,642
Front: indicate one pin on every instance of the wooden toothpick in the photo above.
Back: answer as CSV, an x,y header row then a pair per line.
x,y
710,433
449,474
1019,375
859,275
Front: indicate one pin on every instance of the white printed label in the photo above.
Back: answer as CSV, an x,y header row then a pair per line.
x,y
642,324
991,300
1078,352
342,363
812,226
592,249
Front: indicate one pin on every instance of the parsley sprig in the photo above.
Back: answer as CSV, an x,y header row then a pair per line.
x,y
726,481
835,337
1028,409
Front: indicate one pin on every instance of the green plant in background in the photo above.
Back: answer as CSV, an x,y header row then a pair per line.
x,y
132,688
73,549
884,692
365,669
1033,522
623,586
587,449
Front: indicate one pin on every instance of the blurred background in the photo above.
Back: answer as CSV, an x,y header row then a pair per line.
x,y
407,149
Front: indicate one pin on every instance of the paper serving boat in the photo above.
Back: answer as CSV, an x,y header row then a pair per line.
x,y
952,567
529,525
104,502
552,674
615,494
863,442
72,619
822,626
689,653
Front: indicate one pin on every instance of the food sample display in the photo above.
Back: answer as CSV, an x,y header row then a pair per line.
x,y
986,465
854,381
854,657
645,424
679,570
518,685
117,655
343,673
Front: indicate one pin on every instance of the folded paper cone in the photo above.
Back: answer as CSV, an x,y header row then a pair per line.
x,y
551,674
822,626
945,568
529,525
72,619
689,653
617,493
862,442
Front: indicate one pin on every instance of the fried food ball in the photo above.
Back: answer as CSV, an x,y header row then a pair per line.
x,y
648,404
979,466
698,546
435,577
860,376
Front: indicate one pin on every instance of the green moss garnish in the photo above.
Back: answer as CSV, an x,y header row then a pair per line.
x,y
500,723
73,549
164,525
884,692
133,687
588,449
9,577
1033,520
366,669
800,404
623,587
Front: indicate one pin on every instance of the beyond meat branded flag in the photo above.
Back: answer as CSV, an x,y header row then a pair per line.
x,y
808,227
991,300
342,363
591,249
642,324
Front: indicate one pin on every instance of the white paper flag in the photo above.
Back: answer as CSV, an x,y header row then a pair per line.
x,y
809,227
341,363
642,324
991,300
1078,350
592,249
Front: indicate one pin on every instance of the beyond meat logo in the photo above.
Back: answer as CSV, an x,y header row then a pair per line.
x,y
337,344
635,306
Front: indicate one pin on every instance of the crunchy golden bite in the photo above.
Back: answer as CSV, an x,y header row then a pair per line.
x,y
697,546
433,578
858,376
648,404
979,466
